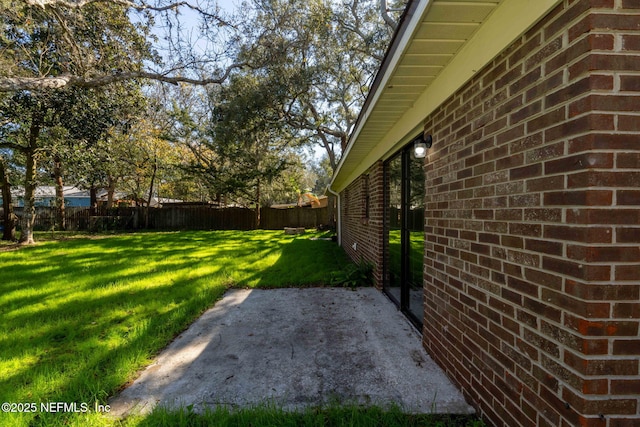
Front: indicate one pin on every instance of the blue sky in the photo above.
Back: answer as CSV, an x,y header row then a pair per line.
x,y
190,20
227,5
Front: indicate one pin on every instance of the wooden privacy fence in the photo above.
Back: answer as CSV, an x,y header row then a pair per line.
x,y
76,218
181,218
277,219
201,218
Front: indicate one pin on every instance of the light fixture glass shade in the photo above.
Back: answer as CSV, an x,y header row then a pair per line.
x,y
419,150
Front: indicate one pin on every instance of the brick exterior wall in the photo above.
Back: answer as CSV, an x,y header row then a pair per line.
x,y
532,254
532,258
363,226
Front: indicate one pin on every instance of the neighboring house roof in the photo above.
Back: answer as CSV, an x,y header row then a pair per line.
x,y
71,192
103,195
46,191
120,196
438,46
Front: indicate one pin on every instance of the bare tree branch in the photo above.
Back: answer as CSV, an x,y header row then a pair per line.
x,y
12,84
384,12
12,145
142,6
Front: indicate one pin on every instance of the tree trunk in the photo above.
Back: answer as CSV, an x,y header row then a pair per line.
x,y
111,189
258,204
330,151
57,174
385,15
9,218
150,196
29,217
93,200
26,237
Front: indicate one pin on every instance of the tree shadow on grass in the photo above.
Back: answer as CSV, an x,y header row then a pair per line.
x,y
82,316
88,357
79,317
302,262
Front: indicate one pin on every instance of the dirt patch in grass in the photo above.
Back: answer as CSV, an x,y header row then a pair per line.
x,y
9,247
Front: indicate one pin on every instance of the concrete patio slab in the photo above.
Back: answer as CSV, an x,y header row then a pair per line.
x,y
295,348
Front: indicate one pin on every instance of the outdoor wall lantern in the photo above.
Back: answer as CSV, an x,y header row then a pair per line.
x,y
422,144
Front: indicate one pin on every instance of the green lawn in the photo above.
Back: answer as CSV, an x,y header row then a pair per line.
x,y
79,317
416,257
334,416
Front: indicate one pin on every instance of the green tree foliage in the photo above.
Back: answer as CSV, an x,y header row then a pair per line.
x,y
322,172
310,66
99,124
179,116
48,44
51,41
25,118
247,145
8,217
299,73
65,131
44,43
322,55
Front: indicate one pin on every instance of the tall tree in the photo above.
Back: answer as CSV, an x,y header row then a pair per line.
x,y
24,116
8,216
91,43
246,147
150,160
47,41
50,41
99,122
325,54
186,123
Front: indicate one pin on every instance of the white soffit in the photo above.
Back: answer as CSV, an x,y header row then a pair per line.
x,y
449,42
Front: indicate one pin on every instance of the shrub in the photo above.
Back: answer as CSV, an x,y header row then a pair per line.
x,y
354,275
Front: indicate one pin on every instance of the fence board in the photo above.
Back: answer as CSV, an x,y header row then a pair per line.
x,y
277,219
76,218
181,218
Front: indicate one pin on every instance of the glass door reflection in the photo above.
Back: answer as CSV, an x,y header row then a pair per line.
x,y
394,230
414,235
404,233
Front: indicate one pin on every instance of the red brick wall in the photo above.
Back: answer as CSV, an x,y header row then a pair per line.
x,y
533,225
366,232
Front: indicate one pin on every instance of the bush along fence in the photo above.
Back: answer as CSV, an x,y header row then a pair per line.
x,y
181,218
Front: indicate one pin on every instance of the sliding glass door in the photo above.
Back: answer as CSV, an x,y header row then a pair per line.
x,y
404,233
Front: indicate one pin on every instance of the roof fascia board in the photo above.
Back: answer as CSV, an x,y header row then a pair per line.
x,y
415,12
510,20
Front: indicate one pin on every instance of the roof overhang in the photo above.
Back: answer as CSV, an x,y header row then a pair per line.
x,y
438,47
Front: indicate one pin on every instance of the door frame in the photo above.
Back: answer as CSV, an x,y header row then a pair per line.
x,y
405,238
